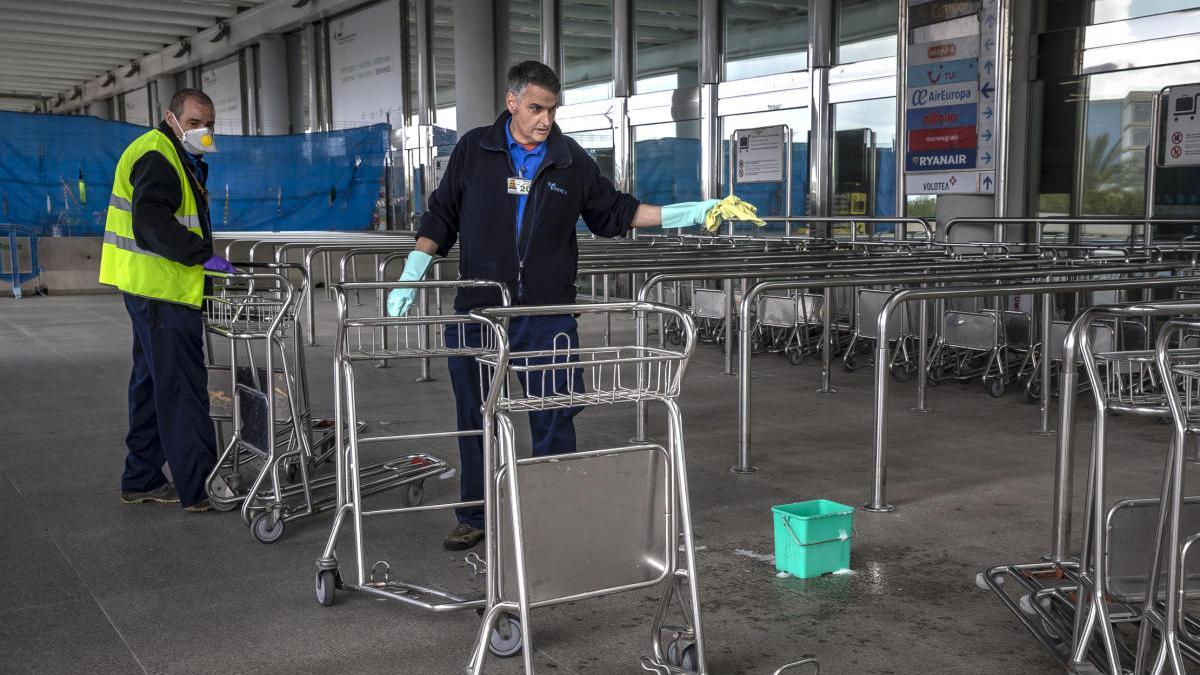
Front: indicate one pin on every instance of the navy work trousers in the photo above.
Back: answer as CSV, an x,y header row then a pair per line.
x,y
552,431
168,401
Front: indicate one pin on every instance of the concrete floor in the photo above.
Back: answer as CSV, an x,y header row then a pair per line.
x,y
92,585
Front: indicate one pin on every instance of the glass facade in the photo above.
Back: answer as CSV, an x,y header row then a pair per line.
x,y
667,47
666,162
1115,10
763,39
586,45
865,29
770,198
864,160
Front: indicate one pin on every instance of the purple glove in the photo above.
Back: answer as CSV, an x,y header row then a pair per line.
x,y
219,264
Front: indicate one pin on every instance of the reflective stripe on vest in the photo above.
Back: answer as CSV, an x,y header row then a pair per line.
x,y
128,266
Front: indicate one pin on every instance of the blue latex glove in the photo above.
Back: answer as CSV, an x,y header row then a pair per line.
x,y
219,264
400,299
686,214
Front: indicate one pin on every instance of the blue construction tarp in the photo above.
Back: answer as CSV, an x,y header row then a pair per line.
x,y
56,175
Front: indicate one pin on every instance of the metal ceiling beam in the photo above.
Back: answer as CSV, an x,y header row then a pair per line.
x,y
79,73
133,47
216,11
54,11
117,30
117,54
93,65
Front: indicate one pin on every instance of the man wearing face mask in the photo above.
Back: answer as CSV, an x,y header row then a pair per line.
x,y
511,196
157,246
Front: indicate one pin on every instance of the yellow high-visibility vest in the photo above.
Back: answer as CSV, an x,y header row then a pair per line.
x,y
128,266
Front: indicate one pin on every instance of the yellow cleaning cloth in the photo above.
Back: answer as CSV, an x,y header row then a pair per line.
x,y
731,208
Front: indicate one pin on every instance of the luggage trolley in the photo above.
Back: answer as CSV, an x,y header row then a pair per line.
x,y
366,341
974,344
790,324
256,310
869,304
634,498
1075,608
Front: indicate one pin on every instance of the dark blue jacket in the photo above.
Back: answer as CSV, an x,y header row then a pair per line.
x,y
471,206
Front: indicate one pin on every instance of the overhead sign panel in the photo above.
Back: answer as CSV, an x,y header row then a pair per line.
x,y
950,96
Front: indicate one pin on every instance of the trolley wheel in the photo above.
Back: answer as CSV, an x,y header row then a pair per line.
x,y
327,583
265,530
505,640
674,337
1033,393
414,493
850,363
683,656
291,471
901,372
995,388
795,357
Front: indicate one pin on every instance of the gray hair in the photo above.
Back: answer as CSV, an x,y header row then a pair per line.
x,y
183,95
526,73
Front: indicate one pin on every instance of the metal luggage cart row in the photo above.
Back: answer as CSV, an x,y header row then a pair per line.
x,y
634,498
1107,609
365,339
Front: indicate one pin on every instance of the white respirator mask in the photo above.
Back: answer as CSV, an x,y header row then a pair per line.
x,y
196,141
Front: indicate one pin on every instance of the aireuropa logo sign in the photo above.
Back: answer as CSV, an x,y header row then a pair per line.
x,y
946,94
340,36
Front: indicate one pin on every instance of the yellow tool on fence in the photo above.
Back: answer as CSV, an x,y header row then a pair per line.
x,y
731,208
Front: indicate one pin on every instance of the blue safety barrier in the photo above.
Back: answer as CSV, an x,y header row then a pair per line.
x,y
12,235
56,175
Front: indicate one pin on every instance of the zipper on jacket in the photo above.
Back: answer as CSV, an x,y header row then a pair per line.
x,y
532,227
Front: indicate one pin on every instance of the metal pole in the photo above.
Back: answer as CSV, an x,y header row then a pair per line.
x,y
1152,169
922,358
878,503
728,284
743,463
1044,365
827,344
1063,464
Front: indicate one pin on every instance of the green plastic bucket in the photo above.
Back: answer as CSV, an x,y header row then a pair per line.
x,y
813,538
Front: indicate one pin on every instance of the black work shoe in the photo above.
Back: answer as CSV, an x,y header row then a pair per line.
x,y
463,537
163,495
199,507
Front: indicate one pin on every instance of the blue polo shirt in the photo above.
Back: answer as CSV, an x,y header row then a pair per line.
x,y
526,163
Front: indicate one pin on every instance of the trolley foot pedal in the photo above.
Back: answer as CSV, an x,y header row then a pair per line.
x,y
1083,669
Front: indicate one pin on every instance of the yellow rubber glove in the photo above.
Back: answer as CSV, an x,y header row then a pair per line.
x,y
732,208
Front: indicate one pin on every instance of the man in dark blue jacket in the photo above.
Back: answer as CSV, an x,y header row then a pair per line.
x,y
510,198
